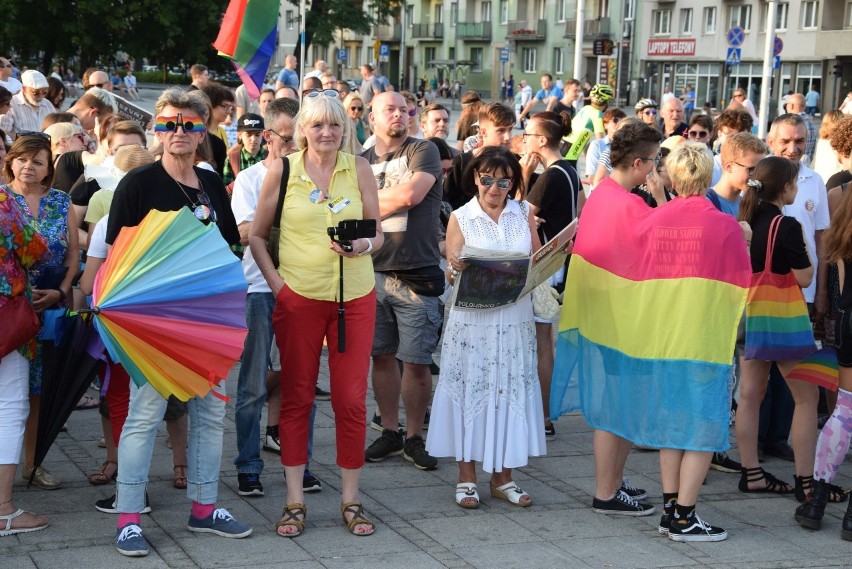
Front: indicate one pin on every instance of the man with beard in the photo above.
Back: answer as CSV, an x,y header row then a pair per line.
x,y
29,107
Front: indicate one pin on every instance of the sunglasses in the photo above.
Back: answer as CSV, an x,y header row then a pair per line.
x,y
412,112
502,183
100,85
650,112
698,133
35,133
313,93
192,123
284,139
356,108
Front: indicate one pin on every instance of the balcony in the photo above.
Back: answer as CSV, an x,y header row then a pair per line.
x,y
527,31
592,29
473,32
388,32
427,31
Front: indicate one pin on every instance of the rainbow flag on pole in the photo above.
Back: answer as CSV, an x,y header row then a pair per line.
x,y
247,37
652,302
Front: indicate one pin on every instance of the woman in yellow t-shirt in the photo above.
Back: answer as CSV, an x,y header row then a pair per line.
x,y
324,186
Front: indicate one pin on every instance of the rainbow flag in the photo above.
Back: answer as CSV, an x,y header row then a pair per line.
x,y
652,302
247,37
820,368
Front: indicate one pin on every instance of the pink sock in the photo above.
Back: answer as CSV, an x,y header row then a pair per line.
x,y
124,519
201,511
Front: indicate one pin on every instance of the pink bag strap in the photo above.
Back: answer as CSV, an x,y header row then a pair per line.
x,y
770,242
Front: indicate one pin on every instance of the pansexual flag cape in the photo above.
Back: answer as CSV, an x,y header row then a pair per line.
x,y
247,37
652,302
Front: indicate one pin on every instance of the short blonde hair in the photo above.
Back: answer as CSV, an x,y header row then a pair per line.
x,y
61,131
738,145
690,167
322,109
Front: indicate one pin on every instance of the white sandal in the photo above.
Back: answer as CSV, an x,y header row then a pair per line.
x,y
467,491
9,530
511,493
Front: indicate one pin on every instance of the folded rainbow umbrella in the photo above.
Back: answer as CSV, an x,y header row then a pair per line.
x,y
170,304
652,302
247,37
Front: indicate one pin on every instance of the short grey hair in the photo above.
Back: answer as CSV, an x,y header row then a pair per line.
x,y
322,109
278,107
105,96
181,99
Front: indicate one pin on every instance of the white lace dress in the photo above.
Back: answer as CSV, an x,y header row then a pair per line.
x,y
487,406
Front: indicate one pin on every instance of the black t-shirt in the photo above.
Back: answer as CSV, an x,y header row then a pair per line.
x,y
790,251
681,130
150,187
454,193
83,190
69,168
220,153
838,179
556,195
562,107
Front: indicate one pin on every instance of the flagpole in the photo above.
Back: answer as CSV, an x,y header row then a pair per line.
x,y
303,35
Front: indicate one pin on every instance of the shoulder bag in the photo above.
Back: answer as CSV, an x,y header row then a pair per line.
x,y
275,232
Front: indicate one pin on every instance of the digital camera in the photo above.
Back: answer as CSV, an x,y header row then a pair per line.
x,y
350,229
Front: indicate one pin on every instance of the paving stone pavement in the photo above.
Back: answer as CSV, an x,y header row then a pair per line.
x,y
419,524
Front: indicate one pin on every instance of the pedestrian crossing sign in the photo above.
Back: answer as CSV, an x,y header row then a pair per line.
x,y
733,56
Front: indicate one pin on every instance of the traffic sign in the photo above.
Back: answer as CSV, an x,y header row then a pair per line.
x,y
504,54
778,47
776,62
734,56
341,55
736,36
384,49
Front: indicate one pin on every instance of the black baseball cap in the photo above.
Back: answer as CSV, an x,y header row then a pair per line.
x,y
250,121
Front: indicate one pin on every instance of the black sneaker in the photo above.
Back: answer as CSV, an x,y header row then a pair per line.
x,y
426,420
389,444
632,491
250,484
322,394
376,424
724,463
271,440
665,523
415,452
549,431
107,505
695,529
434,369
623,505
311,483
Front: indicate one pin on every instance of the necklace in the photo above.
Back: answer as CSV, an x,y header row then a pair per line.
x,y
201,206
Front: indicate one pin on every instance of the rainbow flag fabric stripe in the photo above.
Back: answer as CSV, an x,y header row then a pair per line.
x,y
247,37
820,368
652,302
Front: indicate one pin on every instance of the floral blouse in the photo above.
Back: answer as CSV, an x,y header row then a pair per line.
x,y
20,248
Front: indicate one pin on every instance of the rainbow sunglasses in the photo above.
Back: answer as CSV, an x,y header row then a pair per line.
x,y
190,123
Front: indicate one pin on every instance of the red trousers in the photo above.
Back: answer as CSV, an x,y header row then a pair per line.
x,y
117,397
300,326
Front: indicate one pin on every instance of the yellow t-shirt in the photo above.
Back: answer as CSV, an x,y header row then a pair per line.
x,y
99,205
308,265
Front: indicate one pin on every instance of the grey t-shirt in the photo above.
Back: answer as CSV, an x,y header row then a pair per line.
x,y
411,237
369,88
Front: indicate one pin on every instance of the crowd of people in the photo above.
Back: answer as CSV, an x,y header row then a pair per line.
x,y
312,156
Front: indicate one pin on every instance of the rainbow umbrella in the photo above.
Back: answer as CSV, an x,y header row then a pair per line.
x,y
820,368
170,304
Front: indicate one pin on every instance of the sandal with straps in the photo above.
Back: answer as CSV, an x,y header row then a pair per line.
x,y
289,518
467,491
511,493
773,485
101,477
7,519
180,476
805,487
358,518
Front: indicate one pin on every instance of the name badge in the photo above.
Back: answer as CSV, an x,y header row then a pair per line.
x,y
337,204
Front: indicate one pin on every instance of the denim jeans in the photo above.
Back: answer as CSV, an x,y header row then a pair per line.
x,y
147,406
251,383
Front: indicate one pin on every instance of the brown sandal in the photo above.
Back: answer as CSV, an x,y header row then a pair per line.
x,y
289,518
358,518
101,477
180,476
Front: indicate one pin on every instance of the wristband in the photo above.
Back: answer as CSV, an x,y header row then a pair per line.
x,y
267,269
368,249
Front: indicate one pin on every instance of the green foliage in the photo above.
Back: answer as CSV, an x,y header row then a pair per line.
x,y
326,17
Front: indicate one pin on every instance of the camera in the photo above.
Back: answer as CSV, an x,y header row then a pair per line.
x,y
350,229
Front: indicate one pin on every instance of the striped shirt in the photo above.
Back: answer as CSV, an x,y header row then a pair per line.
x,y
21,116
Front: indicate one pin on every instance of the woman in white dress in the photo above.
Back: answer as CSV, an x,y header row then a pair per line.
x,y
487,406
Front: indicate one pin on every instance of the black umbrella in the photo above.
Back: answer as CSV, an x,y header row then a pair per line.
x,y
69,366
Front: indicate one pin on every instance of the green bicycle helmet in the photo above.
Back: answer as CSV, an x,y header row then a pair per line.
x,y
602,92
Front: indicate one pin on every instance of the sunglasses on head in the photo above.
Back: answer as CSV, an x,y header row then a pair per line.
x,y
502,183
698,133
35,133
190,123
313,93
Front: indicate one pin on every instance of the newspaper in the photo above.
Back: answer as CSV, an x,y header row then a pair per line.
x,y
499,278
133,112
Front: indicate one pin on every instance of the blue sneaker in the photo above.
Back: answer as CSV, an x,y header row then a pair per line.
x,y
220,522
129,541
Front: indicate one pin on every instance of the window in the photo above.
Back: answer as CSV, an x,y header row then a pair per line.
x,y
781,15
662,22
528,58
290,19
740,15
704,77
476,58
504,11
686,21
810,10
409,15
486,11
557,60
452,53
808,75
560,10
431,55
540,9
710,20
847,20
454,13
439,13
357,61
629,5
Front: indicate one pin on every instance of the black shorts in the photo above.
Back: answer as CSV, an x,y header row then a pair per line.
x,y
844,336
